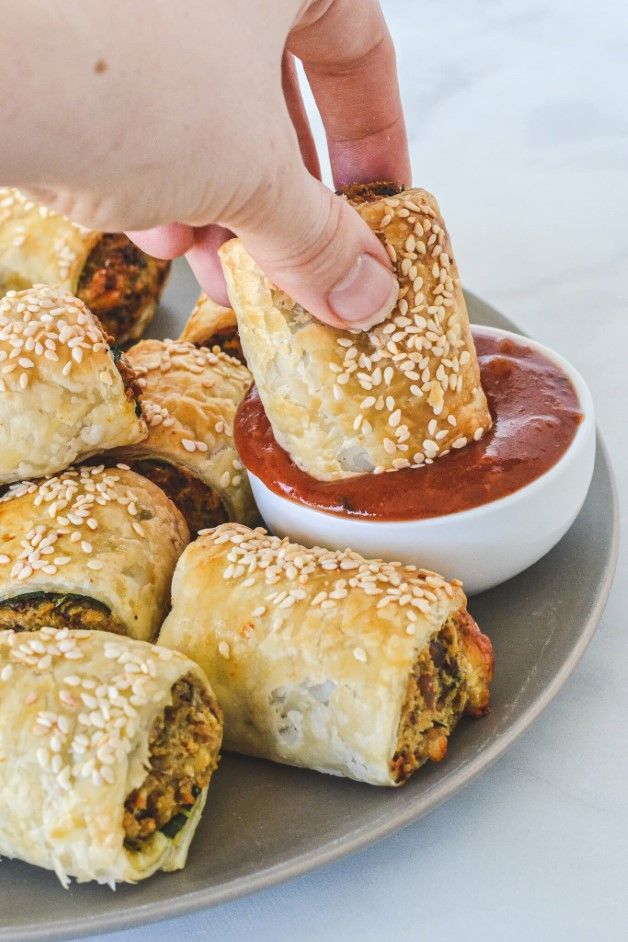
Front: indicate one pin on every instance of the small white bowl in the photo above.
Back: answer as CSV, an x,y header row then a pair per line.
x,y
483,546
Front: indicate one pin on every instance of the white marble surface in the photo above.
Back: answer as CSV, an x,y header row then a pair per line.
x,y
518,119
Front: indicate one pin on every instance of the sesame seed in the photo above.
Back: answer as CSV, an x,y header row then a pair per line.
x,y
224,650
360,655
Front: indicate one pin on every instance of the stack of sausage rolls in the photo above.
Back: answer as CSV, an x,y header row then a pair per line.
x,y
143,609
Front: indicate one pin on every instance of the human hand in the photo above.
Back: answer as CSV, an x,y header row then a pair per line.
x,y
201,129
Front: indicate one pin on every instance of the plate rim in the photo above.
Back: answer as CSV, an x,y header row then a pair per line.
x,y
306,862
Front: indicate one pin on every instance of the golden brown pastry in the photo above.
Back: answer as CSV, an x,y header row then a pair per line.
x,y
325,659
213,326
90,548
116,280
190,397
346,402
64,394
107,747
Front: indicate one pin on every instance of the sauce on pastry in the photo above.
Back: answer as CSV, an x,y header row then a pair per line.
x,y
536,414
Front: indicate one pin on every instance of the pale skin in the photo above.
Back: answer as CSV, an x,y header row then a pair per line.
x,y
181,124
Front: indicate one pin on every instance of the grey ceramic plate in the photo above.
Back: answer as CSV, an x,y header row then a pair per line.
x,y
265,823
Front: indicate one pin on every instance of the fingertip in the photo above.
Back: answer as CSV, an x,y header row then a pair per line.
x,y
167,242
325,256
206,266
365,295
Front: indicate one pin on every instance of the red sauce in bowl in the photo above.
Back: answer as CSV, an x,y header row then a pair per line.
x,y
535,413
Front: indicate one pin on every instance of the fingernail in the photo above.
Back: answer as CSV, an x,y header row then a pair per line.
x,y
366,295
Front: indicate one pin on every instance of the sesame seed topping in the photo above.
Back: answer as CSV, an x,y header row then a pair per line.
x,y
96,721
66,503
205,381
51,326
247,551
417,355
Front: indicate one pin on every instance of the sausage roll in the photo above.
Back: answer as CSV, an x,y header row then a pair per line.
x,y
213,326
347,402
90,548
325,659
107,747
116,280
64,394
190,397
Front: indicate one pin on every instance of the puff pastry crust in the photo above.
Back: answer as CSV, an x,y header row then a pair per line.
x,y
62,396
76,711
103,534
38,245
313,654
344,402
211,325
190,397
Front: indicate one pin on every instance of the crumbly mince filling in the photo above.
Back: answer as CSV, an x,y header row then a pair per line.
x,y
227,340
183,743
200,505
34,610
358,193
450,677
118,281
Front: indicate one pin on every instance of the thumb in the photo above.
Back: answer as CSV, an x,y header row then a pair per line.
x,y
316,248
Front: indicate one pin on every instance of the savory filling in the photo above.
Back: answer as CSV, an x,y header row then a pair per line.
x,y
450,677
119,283
369,192
184,743
227,340
35,610
129,377
200,505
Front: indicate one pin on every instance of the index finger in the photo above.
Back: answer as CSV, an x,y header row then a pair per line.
x,y
298,115
349,59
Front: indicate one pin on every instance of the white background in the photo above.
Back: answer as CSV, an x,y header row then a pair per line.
x,y
518,121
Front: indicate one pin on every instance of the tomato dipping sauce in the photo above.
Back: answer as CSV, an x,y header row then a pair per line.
x,y
536,414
